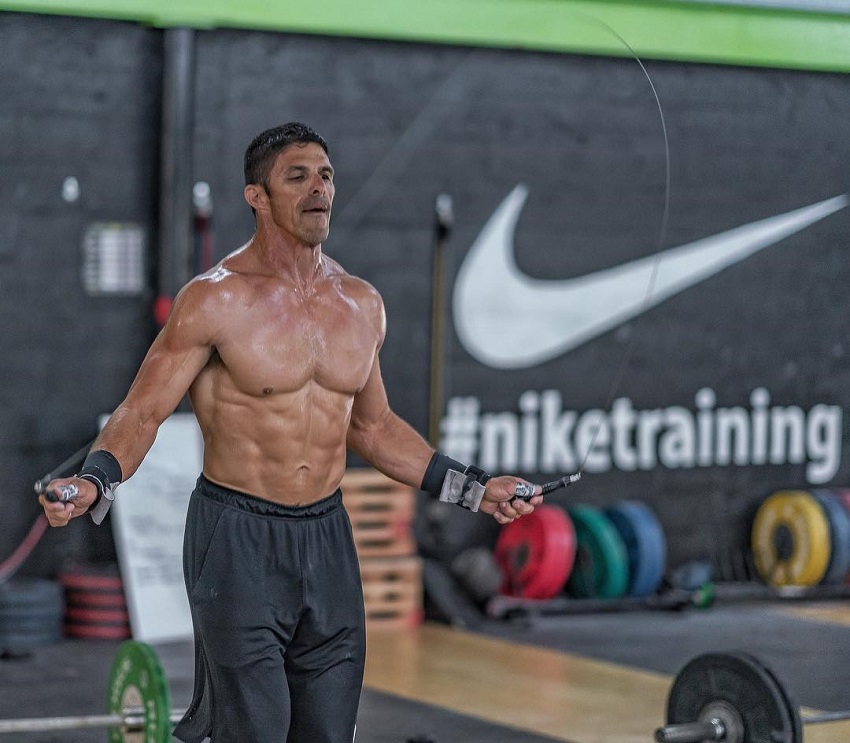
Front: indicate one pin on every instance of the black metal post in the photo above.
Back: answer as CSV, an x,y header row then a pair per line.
x,y
175,204
444,220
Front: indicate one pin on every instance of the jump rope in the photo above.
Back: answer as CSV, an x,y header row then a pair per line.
x,y
526,492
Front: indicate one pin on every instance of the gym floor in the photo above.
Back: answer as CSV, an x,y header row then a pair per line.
x,y
600,678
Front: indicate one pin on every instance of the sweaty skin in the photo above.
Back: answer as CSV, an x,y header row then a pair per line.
x,y
277,347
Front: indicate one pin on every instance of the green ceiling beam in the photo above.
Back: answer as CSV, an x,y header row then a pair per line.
x,y
655,29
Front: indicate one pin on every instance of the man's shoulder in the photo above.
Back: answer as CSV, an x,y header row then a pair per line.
x,y
213,293
348,281
237,273
218,281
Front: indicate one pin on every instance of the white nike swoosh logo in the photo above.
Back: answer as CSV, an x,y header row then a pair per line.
x,y
508,320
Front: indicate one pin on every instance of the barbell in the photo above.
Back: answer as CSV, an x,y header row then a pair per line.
x,y
735,698
138,702
731,697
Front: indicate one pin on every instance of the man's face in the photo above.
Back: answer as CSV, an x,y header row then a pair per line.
x,y
301,192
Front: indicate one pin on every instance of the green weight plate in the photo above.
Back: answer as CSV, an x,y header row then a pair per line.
x,y
601,565
138,681
741,691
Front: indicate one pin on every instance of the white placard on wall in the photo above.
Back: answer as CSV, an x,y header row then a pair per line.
x,y
148,520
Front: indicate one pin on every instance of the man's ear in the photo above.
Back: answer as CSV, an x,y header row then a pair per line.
x,y
256,196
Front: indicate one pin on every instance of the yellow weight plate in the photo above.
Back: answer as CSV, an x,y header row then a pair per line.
x,y
790,539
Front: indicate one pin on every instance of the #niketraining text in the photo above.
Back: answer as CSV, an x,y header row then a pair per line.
x,y
544,438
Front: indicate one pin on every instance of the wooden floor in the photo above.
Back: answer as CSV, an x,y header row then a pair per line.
x,y
543,691
561,695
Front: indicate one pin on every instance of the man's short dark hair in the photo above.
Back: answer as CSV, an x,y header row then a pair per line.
x,y
261,153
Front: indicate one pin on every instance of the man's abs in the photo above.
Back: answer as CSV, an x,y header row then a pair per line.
x,y
287,447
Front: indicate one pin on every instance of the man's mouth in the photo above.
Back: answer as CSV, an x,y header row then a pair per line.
x,y
317,209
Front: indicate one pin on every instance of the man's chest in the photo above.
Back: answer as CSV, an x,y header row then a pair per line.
x,y
280,349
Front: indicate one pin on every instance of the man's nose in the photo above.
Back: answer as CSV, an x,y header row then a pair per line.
x,y
317,185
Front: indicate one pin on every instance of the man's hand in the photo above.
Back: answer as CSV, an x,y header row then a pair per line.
x,y
58,513
500,499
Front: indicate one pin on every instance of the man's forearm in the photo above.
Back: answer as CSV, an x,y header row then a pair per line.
x,y
393,447
128,436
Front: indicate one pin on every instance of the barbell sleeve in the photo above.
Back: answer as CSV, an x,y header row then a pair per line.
x,y
45,724
819,717
132,720
691,732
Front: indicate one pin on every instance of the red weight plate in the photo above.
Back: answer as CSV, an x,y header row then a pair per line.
x,y
84,581
97,616
89,599
536,552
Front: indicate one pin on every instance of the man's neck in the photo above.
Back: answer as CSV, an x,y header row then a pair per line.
x,y
286,256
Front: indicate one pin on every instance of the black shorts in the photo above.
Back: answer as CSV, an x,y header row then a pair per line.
x,y
277,610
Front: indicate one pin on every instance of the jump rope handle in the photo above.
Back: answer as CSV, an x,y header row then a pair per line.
x,y
563,482
61,494
526,492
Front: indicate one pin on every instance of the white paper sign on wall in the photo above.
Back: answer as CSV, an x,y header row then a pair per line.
x,y
148,520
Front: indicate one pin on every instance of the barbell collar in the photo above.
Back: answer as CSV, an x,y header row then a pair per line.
x,y
691,732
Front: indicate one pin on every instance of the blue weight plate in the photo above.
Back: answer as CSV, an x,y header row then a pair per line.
x,y
839,536
645,544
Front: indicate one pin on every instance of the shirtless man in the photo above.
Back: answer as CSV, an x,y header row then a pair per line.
x,y
277,347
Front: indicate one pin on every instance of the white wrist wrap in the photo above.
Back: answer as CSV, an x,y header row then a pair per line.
x,y
462,489
104,501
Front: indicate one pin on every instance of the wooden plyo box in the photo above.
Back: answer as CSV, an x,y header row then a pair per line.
x,y
381,511
392,591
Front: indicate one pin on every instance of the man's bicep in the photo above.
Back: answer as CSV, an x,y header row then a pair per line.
x,y
161,382
176,356
165,375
